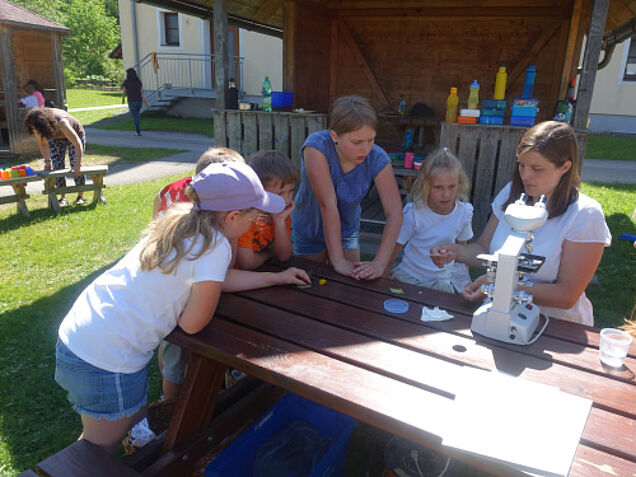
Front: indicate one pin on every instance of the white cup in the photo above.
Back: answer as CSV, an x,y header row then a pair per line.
x,y
614,346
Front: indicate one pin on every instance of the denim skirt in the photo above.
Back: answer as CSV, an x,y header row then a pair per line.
x,y
96,392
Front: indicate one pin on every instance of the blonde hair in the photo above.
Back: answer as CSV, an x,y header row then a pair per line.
x,y
436,162
217,155
181,221
350,113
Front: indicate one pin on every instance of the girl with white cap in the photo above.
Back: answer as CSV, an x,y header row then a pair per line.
x,y
173,277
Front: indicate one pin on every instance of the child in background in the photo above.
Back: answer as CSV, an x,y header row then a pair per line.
x,y
435,216
173,358
338,167
30,100
270,234
173,277
38,92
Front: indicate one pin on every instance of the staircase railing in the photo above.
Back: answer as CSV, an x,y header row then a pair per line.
x,y
192,71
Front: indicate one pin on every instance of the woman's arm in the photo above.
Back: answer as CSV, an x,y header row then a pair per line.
x,y
143,96
322,185
43,144
71,135
123,94
579,261
200,308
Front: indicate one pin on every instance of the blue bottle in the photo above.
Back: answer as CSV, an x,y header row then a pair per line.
x,y
528,85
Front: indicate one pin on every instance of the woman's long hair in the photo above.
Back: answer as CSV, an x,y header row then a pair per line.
x,y
556,141
131,75
42,120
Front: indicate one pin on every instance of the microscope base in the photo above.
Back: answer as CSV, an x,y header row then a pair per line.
x,y
516,326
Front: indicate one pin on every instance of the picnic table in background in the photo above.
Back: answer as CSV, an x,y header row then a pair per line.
x,y
335,344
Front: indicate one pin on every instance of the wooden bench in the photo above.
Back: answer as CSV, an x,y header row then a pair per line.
x,y
19,189
96,173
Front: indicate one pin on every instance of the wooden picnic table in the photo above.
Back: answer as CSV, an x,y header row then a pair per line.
x,y
335,344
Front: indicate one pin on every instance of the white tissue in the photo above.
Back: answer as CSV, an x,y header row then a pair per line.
x,y
141,433
435,314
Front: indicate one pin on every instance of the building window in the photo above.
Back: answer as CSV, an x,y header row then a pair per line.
x,y
170,25
630,63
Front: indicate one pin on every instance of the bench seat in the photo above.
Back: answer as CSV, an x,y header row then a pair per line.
x,y
96,173
20,193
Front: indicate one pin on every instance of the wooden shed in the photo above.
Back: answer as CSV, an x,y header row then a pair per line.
x,y
30,48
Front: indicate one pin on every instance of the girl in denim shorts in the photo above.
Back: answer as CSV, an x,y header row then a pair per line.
x,y
338,167
172,277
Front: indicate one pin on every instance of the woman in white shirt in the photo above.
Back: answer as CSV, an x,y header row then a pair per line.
x,y
572,239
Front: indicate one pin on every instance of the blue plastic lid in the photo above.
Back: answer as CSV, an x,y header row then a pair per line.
x,y
393,305
475,84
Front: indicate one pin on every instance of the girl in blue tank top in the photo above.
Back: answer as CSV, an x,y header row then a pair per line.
x,y
338,166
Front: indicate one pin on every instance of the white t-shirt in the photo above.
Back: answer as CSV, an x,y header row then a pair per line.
x,y
583,222
29,101
422,229
120,318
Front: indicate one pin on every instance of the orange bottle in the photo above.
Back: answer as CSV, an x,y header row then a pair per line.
x,y
451,106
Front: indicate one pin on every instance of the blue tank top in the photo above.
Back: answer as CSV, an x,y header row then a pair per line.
x,y
350,189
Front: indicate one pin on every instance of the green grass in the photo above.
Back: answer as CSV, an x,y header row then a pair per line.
x,y
605,146
86,98
161,122
48,260
91,117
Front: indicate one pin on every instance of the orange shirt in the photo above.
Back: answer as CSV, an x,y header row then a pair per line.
x,y
261,235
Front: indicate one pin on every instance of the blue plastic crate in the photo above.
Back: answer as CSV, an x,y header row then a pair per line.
x,y
282,99
238,458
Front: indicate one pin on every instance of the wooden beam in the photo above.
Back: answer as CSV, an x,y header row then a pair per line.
x,y
289,33
363,65
333,62
220,52
58,70
559,62
454,4
570,51
267,10
534,46
10,88
590,63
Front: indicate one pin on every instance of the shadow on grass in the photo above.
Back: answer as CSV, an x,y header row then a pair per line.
x,y
36,419
16,221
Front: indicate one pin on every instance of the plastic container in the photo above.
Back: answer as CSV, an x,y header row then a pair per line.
x,y
522,121
466,119
237,460
500,82
282,99
527,111
266,92
451,106
402,107
473,97
528,84
493,120
409,157
494,104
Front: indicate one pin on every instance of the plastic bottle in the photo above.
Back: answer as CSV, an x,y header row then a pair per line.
x,y
408,140
473,97
528,85
451,106
266,91
402,107
500,82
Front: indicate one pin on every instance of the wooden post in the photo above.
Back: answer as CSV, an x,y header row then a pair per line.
x,y
58,70
590,63
10,90
289,22
220,52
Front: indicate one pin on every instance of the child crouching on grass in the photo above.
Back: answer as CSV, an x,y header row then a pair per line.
x,y
270,234
435,216
172,277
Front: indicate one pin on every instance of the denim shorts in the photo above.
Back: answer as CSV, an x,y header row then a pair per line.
x,y
96,392
302,246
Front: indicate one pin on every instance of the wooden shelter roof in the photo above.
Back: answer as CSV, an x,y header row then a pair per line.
x,y
11,14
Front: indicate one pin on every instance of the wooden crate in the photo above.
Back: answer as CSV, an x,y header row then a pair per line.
x,y
251,131
488,154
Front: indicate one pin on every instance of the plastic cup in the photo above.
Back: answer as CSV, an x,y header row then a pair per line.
x,y
614,346
408,160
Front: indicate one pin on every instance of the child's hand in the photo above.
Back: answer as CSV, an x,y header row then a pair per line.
x,y
443,254
294,276
345,267
283,214
473,292
367,270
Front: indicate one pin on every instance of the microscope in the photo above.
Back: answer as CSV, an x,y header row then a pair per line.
x,y
508,314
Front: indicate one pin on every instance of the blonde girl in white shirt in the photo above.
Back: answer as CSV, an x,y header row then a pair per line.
x,y
174,277
436,216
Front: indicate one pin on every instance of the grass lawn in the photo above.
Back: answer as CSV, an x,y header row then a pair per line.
x,y
606,146
88,118
161,122
86,98
48,260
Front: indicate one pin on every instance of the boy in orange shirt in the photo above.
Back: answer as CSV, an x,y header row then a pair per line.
x,y
270,234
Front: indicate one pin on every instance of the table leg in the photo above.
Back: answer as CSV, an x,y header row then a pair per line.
x,y
198,396
20,192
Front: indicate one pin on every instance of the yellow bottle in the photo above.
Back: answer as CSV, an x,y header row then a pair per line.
x,y
451,106
500,82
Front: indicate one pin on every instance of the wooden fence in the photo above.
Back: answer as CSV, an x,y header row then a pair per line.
x,y
251,131
488,154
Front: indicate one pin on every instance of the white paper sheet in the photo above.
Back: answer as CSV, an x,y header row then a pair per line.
x,y
534,427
